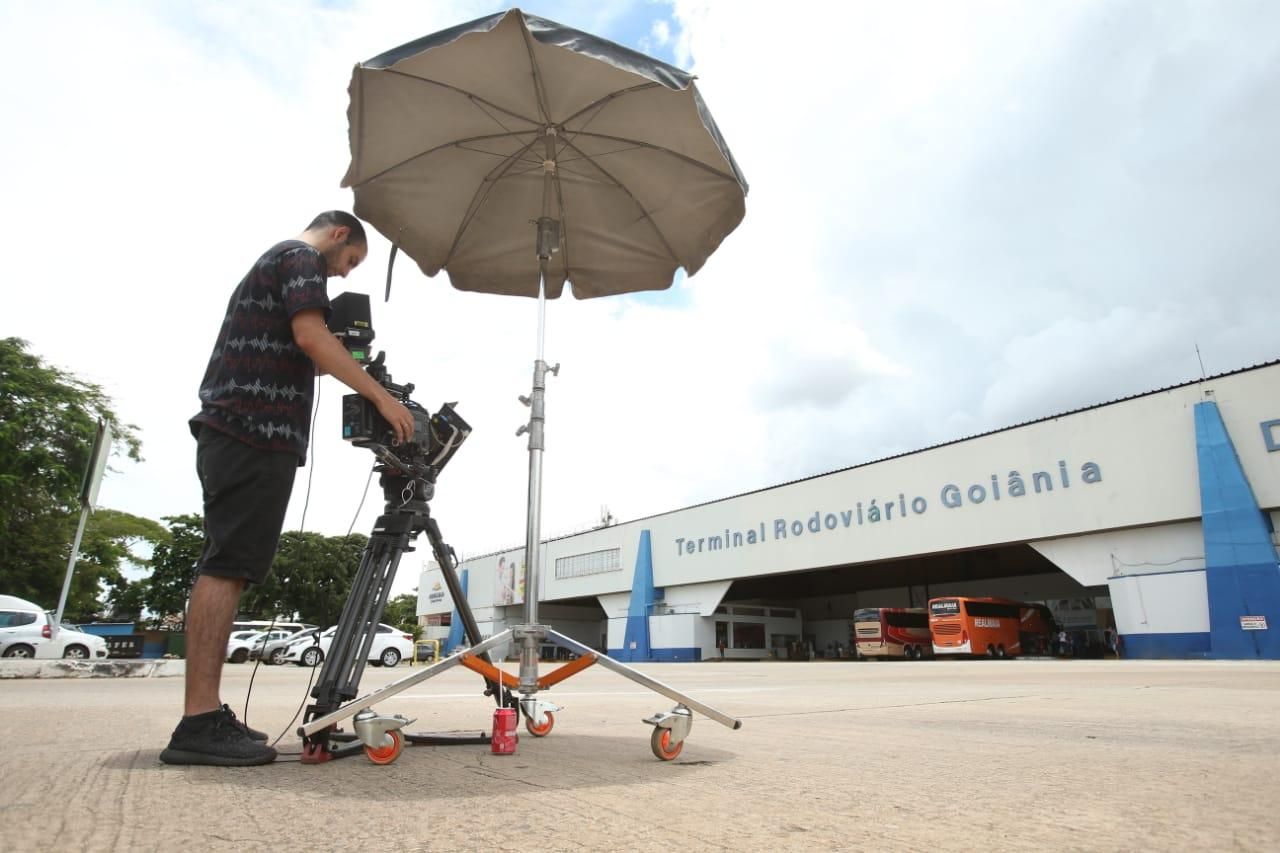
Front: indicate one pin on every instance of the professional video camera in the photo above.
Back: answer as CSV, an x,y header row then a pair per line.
x,y
435,437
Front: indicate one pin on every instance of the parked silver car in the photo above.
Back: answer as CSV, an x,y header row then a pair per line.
x,y
274,651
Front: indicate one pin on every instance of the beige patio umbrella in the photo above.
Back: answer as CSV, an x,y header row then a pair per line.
x,y
517,154
462,139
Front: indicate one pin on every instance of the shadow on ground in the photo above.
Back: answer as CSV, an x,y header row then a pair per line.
x,y
550,764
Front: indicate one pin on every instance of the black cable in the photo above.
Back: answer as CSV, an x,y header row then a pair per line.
x,y
302,526
311,680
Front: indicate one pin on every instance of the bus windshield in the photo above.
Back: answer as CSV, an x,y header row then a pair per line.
x,y
944,607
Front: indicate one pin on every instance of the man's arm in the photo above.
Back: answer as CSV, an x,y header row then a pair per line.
x,y
314,338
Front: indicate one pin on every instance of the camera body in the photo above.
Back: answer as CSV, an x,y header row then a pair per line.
x,y
435,437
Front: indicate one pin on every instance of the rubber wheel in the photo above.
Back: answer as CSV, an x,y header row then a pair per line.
x,y
312,657
1000,652
991,651
386,754
389,657
542,730
277,657
660,743
21,650
76,652
240,656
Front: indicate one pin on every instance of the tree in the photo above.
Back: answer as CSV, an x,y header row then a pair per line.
x,y
402,612
311,578
109,541
48,419
173,567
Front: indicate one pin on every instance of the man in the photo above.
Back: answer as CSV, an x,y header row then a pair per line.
x,y
251,436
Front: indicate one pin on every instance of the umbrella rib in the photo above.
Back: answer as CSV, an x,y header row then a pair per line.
x,y
640,143
453,143
481,194
537,76
644,213
600,104
469,95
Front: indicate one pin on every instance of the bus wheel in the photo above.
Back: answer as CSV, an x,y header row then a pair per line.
x,y
991,651
1000,652
915,653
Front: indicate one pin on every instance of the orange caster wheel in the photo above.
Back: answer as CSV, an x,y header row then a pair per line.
x,y
542,730
387,754
660,743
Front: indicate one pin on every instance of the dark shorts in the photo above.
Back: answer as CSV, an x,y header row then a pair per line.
x,y
246,493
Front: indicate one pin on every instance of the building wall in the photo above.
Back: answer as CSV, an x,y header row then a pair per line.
x,y
1107,492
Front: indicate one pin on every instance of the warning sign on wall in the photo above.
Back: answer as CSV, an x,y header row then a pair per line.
x,y
1253,623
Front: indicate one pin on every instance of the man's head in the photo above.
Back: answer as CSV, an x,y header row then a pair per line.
x,y
340,238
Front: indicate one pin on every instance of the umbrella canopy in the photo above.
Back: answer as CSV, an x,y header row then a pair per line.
x,y
462,140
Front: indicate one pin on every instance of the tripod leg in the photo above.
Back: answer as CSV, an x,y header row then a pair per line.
x,y
444,556
353,637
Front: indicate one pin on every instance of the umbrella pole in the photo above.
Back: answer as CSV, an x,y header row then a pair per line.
x,y
530,634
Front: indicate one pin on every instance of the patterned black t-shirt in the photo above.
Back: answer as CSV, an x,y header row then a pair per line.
x,y
259,383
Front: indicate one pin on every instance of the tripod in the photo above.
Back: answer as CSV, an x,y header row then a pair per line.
x,y
407,514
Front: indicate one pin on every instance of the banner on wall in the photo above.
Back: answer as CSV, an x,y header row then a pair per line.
x,y
508,580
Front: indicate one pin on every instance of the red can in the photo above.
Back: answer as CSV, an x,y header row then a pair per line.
x,y
504,738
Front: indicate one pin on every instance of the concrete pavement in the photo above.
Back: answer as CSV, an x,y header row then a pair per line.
x,y
947,755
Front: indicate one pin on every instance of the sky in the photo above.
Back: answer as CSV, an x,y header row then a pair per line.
x,y
962,216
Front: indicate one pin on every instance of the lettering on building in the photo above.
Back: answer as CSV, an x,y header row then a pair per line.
x,y
899,508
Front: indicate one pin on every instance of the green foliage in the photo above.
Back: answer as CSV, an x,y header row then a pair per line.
x,y
110,540
402,612
309,581
173,567
310,578
48,419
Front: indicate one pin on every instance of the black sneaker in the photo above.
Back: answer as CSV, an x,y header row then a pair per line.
x,y
244,727
216,738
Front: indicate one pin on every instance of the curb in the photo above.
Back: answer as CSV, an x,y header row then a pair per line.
x,y
153,668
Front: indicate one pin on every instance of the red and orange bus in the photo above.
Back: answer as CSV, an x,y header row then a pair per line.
x,y
994,627
892,632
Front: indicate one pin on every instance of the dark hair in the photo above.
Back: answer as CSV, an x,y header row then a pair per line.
x,y
334,218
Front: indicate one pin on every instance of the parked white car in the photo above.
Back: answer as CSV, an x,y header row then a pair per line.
x,y
247,645
273,652
390,646
26,631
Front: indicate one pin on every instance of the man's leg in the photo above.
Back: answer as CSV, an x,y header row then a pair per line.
x,y
210,613
209,733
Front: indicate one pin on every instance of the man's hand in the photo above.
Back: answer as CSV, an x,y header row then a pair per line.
x,y
314,338
400,418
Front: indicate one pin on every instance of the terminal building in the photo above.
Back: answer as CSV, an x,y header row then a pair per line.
x,y
1154,515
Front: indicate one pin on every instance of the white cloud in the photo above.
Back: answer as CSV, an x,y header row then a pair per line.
x,y
961,216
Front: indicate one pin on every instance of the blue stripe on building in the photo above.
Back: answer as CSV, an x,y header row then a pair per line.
x,y
635,641
1241,572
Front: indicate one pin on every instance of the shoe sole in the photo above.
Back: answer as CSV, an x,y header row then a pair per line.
x,y
183,756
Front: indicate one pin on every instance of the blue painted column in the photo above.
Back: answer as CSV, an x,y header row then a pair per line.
x,y
456,636
635,641
1241,571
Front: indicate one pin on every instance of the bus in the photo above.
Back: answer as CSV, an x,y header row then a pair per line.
x,y
1037,629
994,627
892,632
